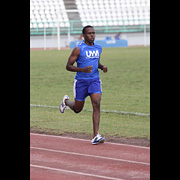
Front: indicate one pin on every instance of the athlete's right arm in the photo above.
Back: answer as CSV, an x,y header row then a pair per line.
x,y
72,58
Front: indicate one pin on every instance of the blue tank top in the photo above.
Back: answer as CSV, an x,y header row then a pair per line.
x,y
89,56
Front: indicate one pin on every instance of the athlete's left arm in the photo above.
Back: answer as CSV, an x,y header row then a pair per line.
x,y
102,67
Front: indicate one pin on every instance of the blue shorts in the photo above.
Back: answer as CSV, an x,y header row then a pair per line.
x,y
86,87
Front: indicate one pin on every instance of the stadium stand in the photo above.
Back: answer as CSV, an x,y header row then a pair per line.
x,y
113,10
99,13
45,11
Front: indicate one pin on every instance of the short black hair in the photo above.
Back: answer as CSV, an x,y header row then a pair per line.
x,y
84,29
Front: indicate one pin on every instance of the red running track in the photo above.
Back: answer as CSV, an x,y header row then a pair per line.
x,y
64,158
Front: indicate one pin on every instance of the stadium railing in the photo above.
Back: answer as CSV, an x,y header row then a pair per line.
x,y
50,28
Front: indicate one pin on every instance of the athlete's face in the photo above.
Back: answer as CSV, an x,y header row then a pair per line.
x,y
89,35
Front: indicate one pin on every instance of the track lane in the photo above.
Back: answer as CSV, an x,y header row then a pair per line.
x,y
58,156
89,165
131,153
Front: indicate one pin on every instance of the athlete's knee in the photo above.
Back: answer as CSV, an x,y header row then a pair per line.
x,y
77,110
96,104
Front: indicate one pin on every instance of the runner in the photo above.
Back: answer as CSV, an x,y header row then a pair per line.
x,y
87,80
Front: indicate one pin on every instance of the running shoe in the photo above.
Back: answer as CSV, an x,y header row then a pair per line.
x,y
98,139
62,106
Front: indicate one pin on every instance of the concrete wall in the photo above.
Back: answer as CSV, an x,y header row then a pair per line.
x,y
50,41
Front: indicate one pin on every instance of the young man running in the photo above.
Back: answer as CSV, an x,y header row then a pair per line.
x,y
87,81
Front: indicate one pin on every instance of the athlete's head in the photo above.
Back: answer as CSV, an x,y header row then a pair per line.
x,y
88,34
84,29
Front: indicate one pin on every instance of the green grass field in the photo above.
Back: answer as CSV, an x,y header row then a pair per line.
x,y
126,87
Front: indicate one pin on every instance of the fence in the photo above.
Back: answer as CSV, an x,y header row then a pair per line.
x,y
62,36
72,26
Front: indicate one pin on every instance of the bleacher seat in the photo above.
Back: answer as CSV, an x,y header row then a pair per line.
x,y
96,13
114,11
45,11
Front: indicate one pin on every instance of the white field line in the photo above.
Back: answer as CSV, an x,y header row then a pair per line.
x,y
74,172
90,110
77,139
92,156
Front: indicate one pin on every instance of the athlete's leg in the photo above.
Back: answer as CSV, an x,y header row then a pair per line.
x,y
76,106
80,93
96,99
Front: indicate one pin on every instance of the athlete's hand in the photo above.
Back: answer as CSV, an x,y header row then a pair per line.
x,y
105,69
87,69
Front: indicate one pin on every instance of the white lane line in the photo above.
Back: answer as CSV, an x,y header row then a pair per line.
x,y
92,156
77,139
74,172
90,110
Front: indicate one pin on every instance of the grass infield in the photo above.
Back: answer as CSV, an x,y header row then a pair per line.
x,y
126,87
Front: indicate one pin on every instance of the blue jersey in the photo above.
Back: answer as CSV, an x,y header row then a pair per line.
x,y
89,56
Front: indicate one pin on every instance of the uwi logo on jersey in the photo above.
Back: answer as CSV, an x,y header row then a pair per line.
x,y
92,54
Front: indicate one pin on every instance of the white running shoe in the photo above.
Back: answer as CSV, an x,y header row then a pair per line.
x,y
98,139
63,106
